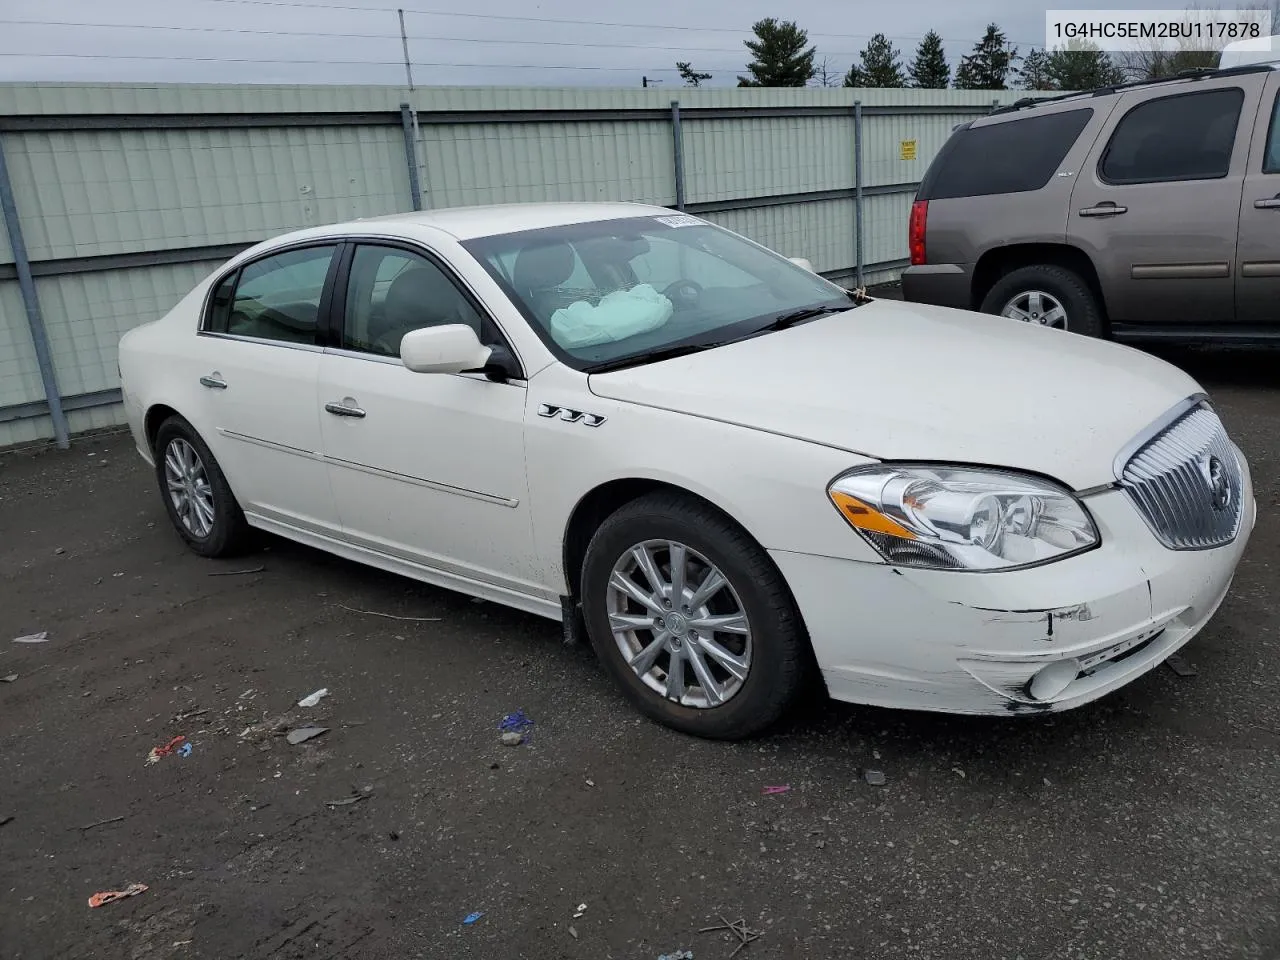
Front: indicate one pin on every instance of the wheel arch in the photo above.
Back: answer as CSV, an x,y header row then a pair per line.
x,y
156,415
999,261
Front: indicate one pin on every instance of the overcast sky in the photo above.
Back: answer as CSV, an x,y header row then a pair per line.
x,y
507,42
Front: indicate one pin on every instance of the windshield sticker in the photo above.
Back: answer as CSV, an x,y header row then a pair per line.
x,y
683,220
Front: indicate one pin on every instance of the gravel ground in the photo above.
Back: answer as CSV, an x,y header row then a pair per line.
x,y
1147,825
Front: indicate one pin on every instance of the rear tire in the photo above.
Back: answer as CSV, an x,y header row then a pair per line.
x,y
751,650
195,492
1017,292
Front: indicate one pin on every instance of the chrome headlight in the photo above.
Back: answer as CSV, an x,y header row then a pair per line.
x,y
952,518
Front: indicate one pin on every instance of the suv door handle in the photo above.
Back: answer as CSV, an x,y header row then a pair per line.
x,y
1107,208
213,382
1270,204
344,410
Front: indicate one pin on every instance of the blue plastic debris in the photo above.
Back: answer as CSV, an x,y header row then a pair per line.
x,y
515,723
185,749
678,955
471,918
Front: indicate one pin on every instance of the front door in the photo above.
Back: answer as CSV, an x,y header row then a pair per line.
x,y
427,468
258,363
1158,210
1258,284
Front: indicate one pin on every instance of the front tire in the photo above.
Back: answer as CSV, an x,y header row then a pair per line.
x,y
196,494
1049,295
692,619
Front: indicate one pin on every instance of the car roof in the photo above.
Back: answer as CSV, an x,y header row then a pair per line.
x,y
467,223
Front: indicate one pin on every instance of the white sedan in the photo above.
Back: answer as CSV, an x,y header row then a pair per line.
x,y
731,473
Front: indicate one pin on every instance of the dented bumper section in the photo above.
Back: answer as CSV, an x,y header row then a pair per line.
x,y
975,642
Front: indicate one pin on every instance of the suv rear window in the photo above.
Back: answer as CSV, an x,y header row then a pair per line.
x,y
1011,157
1185,137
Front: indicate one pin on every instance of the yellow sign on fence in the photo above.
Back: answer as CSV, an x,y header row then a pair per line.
x,y
906,150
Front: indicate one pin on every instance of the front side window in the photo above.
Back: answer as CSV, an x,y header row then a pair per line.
x,y
1185,137
392,292
275,298
605,291
1271,159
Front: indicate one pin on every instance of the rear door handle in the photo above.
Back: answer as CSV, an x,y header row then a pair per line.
x,y
1107,208
344,410
213,382
1272,203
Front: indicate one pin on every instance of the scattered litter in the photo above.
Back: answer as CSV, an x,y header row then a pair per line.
x,y
98,899
237,573
182,943
582,908
591,783
60,551
99,823
4,820
185,749
394,834
303,734
247,695
312,699
678,955
515,722
874,777
187,716
390,616
958,772
770,791
512,739
1180,666
261,806
172,746
346,801
471,918
875,754
33,638
738,928
1047,782
117,575
11,678
573,933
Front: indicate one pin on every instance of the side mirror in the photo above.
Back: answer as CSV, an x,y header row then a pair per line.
x,y
802,263
452,348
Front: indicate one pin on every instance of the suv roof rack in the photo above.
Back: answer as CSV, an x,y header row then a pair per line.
x,y
1200,73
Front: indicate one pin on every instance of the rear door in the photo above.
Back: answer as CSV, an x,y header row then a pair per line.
x,y
1157,206
1258,251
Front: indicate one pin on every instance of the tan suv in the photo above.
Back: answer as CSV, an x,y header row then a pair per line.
x,y
1146,211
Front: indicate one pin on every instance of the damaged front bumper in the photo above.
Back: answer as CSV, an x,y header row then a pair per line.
x,y
975,642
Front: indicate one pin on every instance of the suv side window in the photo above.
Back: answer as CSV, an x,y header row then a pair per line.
x,y
275,298
1185,137
1271,159
392,292
1014,156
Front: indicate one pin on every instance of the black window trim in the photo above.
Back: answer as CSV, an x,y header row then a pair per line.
x,y
326,294
334,318
1273,130
1106,151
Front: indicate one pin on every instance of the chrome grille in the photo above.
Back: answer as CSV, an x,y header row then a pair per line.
x,y
1187,483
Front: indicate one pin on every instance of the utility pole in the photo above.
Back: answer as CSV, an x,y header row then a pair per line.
x,y
404,42
645,81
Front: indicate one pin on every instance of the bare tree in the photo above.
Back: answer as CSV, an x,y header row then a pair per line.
x,y
825,75
1151,63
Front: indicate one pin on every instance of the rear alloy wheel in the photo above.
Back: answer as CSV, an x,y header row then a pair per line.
x,y
692,618
196,494
1047,295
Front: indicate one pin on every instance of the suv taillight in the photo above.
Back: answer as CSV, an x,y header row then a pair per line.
x,y
915,231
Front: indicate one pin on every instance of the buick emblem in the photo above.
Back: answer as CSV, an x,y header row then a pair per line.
x,y
1219,484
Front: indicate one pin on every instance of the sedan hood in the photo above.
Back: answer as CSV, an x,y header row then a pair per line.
x,y
899,381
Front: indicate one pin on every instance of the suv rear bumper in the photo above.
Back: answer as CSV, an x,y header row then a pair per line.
x,y
939,284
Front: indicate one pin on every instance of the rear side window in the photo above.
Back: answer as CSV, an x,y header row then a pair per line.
x,y
275,298
1271,159
1011,157
1186,137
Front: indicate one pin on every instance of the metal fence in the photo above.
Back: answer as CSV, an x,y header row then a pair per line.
x,y
117,200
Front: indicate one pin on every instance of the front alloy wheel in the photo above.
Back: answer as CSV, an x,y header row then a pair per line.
x,y
679,624
692,618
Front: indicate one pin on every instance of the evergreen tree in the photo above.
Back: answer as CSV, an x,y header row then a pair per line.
x,y
1035,71
990,64
690,76
1082,68
880,67
780,55
930,70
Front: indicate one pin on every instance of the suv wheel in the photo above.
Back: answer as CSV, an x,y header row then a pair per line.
x,y
1048,295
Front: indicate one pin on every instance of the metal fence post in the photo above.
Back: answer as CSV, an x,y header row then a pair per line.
x,y
857,191
35,321
677,137
411,154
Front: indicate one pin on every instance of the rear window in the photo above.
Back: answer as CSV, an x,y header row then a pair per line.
x,y
1184,137
1011,157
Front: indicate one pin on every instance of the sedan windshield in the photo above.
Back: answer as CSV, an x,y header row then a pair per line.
x,y
611,293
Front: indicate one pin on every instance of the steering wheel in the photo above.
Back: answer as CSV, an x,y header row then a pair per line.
x,y
683,294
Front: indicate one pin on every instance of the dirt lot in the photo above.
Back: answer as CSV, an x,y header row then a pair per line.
x,y
1147,825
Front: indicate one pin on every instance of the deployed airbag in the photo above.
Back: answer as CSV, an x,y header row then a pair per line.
x,y
618,315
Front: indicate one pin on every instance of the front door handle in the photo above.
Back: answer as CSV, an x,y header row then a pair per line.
x,y
1107,208
1272,203
345,409
214,382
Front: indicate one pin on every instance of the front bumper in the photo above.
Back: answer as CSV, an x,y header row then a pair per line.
x,y
971,642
